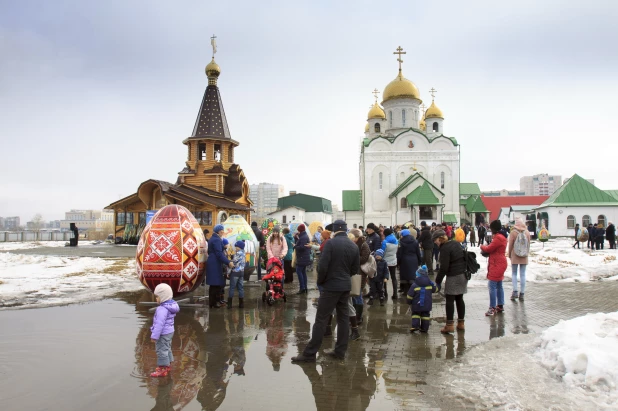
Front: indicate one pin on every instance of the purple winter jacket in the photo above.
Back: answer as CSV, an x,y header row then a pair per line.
x,y
163,321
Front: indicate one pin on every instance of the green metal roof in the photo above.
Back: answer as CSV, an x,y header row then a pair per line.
x,y
613,193
352,200
422,195
578,191
463,201
450,218
409,181
475,204
367,141
469,189
309,203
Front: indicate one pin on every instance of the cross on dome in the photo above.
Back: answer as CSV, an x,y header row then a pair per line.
x,y
213,43
433,92
375,93
399,52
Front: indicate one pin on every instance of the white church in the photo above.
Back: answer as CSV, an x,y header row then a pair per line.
x,y
409,168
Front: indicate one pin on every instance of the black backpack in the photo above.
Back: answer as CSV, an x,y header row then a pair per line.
x,y
472,266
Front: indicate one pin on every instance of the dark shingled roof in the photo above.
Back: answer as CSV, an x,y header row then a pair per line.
x,y
211,121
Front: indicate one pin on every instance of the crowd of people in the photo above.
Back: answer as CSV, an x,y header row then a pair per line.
x,y
594,236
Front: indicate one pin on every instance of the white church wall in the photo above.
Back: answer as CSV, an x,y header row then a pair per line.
x,y
380,188
354,217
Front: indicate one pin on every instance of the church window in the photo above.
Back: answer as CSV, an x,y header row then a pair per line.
x,y
376,128
436,127
601,220
285,219
217,155
442,180
202,151
425,212
380,181
571,221
404,203
403,118
390,118
585,220
230,154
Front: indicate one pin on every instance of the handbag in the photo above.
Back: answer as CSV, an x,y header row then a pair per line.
x,y
370,267
356,285
294,259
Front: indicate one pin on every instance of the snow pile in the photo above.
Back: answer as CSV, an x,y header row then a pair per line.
x,y
583,353
37,280
26,245
558,261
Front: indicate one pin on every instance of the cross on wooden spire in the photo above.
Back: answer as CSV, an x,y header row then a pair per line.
x,y
213,43
433,92
399,52
375,93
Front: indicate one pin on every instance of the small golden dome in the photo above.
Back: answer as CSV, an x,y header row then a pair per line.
x,y
434,112
376,112
213,69
367,128
422,125
401,87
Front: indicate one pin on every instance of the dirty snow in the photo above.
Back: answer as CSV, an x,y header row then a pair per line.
x,y
558,261
26,245
583,354
37,280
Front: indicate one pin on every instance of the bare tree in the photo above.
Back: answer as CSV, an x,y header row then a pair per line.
x,y
37,222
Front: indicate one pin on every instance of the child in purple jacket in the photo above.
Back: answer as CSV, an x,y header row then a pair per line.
x,y
163,329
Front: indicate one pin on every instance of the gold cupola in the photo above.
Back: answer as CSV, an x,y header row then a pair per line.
x,y
212,72
421,124
434,112
401,87
376,112
367,128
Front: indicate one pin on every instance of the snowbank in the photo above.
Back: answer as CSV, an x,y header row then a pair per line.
x,y
25,245
37,280
583,354
558,261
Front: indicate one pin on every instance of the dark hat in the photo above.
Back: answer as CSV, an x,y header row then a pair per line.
x,y
437,234
329,227
422,270
254,224
301,228
340,225
225,242
240,244
423,224
388,232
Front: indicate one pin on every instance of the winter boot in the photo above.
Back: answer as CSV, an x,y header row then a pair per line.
x,y
229,303
370,302
521,297
241,303
160,372
359,313
514,295
329,330
461,325
355,335
381,302
449,327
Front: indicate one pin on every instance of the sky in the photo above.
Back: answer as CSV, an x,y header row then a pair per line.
x,y
96,97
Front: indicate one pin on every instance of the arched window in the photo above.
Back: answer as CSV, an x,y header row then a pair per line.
x,y
602,221
435,126
284,219
571,221
404,203
376,128
585,221
442,180
403,118
390,118
380,180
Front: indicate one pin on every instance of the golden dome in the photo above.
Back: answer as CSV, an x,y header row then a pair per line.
x,y
213,69
422,125
376,112
434,112
367,128
401,87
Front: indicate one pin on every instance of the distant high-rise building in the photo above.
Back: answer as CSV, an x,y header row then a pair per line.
x,y
11,223
264,197
540,184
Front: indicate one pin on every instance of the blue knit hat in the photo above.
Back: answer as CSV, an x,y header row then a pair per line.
x,y
421,271
240,244
380,253
405,232
225,242
218,228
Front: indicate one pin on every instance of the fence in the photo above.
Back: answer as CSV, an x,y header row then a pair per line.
x,y
6,236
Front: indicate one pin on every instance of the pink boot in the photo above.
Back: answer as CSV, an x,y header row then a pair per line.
x,y
161,372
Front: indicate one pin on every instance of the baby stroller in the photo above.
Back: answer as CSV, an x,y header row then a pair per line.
x,y
274,282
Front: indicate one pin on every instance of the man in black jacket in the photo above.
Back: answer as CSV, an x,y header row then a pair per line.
x,y
424,240
260,238
482,232
340,259
373,238
610,234
592,234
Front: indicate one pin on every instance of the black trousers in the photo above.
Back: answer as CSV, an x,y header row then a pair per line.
x,y
393,272
328,301
428,258
451,301
214,294
288,270
612,244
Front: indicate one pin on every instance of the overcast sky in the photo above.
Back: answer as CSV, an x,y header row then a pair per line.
x,y
96,97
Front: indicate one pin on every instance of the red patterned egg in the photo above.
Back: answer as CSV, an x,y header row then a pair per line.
x,y
172,250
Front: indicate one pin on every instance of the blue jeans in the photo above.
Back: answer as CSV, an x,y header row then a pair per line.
x,y
236,282
495,290
302,276
163,348
522,276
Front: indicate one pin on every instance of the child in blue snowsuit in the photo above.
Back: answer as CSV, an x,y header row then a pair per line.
x,y
376,284
420,300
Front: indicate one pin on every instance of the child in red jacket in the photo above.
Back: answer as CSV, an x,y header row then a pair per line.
x,y
496,268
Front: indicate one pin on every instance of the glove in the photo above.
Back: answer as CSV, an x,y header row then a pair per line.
x,y
438,287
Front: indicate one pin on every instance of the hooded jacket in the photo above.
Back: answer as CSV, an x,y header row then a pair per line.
x,y
216,259
163,321
497,259
519,228
419,294
289,239
303,254
390,246
408,257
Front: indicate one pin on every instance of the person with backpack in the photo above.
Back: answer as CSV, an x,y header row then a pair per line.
x,y
518,251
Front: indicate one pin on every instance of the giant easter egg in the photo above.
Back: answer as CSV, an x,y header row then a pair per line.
x,y
172,250
236,228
